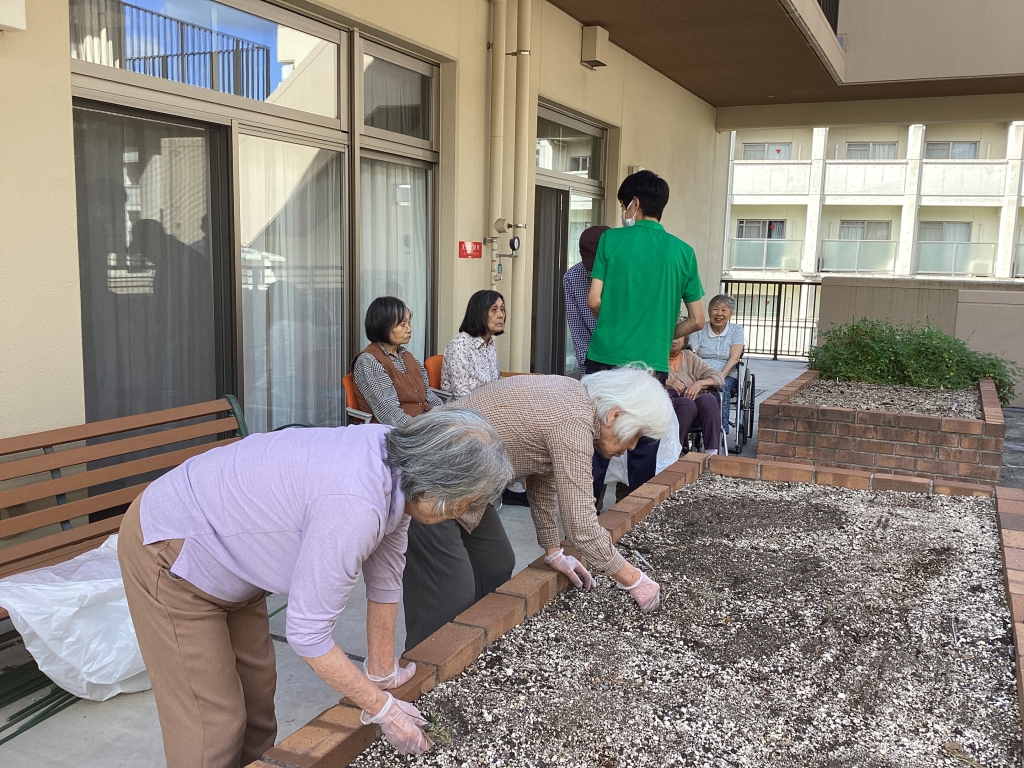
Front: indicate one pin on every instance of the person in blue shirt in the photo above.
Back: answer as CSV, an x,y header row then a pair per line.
x,y
576,284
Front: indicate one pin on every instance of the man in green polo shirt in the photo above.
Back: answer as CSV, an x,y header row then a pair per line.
x,y
642,276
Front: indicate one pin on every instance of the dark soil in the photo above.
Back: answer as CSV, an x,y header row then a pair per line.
x,y
800,626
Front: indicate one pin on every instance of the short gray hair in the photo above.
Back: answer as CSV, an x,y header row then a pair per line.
x,y
633,388
723,298
448,455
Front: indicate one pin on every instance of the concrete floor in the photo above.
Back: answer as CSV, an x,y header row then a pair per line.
x,y
124,731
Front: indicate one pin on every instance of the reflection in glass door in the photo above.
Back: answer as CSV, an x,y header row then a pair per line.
x,y
560,217
291,206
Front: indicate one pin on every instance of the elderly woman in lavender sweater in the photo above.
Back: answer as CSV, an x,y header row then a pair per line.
x,y
301,512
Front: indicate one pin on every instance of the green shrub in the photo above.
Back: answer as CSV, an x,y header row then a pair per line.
x,y
880,352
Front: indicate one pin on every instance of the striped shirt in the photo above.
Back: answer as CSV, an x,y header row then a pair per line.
x,y
548,426
379,391
576,284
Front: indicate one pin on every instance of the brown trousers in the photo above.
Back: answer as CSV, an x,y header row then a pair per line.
x,y
211,661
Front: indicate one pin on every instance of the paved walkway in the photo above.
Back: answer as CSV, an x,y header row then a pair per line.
x,y
1013,448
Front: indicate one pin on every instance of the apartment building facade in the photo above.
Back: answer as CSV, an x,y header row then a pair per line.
x,y
926,201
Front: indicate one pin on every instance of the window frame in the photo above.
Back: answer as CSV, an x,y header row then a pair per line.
x,y
570,181
405,61
764,147
103,86
871,145
949,145
146,89
865,222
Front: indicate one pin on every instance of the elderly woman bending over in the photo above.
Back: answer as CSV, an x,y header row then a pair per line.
x,y
302,513
390,383
551,427
689,380
471,360
720,344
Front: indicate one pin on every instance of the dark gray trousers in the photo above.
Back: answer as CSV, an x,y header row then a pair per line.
x,y
447,570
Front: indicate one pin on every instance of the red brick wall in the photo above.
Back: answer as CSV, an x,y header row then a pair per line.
x,y
965,450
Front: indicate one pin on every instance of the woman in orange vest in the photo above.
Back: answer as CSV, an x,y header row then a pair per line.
x,y
391,383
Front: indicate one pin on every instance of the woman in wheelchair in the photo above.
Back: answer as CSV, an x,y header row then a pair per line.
x,y
720,343
689,380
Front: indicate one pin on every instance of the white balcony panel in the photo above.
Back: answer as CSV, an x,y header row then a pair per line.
x,y
768,255
770,177
958,259
871,256
963,178
852,178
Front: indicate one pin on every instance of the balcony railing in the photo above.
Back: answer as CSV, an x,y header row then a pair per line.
x,y
150,43
963,178
961,259
771,177
782,255
858,255
1018,260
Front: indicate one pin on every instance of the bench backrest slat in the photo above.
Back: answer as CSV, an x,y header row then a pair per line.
x,y
43,517
75,434
50,461
94,477
14,554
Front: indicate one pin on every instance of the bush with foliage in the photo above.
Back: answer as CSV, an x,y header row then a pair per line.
x,y
879,352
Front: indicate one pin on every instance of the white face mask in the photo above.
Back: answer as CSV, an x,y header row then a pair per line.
x,y
628,222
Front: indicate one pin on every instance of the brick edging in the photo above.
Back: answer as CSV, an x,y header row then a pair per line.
x,y
883,442
335,737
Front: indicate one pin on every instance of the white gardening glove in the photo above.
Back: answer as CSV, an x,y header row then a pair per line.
x,y
571,567
645,591
399,677
402,725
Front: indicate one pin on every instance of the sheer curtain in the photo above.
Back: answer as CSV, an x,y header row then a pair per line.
x,y
396,235
396,98
145,263
292,283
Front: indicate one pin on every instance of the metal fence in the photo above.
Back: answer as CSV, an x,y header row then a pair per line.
x,y
778,318
160,46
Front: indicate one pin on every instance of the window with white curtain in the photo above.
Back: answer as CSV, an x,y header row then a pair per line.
x,y
944,231
293,251
864,230
767,151
397,98
951,150
396,234
873,150
761,229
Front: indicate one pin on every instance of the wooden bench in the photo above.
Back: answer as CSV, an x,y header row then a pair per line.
x,y
94,471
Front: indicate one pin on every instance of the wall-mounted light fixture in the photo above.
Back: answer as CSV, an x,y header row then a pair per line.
x,y
596,49
12,15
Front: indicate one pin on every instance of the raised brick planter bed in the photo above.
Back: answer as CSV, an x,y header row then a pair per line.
x,y
883,442
335,737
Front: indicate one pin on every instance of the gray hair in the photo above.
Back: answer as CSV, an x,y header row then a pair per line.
x,y
723,298
448,455
633,388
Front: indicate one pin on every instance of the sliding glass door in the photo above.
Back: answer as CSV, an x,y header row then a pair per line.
x,y
152,251
291,205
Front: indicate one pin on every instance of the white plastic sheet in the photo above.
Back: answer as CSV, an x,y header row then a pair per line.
x,y
74,619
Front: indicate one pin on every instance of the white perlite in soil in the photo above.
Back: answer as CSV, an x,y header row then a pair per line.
x,y
800,626
957,403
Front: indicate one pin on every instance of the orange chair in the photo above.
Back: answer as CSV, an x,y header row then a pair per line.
x,y
351,404
433,366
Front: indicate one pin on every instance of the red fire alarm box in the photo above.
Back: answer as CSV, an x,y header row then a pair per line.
x,y
470,249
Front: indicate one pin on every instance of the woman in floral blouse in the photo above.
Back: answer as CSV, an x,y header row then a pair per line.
x,y
470,360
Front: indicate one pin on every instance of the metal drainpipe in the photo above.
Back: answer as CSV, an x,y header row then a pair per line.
x,y
523,161
499,19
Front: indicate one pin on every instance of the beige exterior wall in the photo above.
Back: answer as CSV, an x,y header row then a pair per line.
x,y
41,377
991,137
833,215
800,138
925,39
652,123
839,137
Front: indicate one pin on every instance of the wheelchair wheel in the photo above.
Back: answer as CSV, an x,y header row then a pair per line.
x,y
747,406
